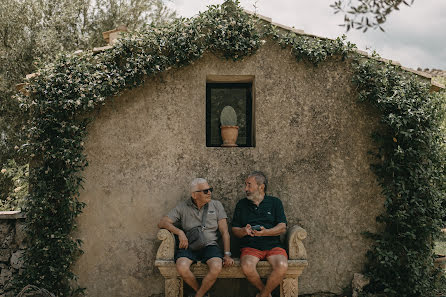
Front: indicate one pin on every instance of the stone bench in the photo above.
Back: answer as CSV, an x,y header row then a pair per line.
x,y
173,285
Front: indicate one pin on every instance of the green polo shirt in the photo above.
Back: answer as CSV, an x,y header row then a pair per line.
x,y
268,214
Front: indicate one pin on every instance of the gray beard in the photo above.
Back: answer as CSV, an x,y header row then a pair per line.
x,y
254,197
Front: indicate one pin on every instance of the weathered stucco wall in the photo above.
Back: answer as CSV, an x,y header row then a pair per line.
x,y
312,139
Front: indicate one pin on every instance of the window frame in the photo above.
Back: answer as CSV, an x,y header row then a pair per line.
x,y
249,110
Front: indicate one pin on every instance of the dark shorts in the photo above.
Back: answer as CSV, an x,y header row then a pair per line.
x,y
211,251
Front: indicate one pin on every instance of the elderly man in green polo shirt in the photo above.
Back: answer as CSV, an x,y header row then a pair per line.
x,y
189,214
258,221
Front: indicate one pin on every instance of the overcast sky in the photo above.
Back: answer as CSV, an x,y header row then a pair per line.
x,y
414,36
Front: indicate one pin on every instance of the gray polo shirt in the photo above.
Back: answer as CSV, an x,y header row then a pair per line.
x,y
187,215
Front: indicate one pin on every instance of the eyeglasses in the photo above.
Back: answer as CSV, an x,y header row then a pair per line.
x,y
205,191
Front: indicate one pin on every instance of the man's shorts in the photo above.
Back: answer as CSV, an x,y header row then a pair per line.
x,y
206,253
262,255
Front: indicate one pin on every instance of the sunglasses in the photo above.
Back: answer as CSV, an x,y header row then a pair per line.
x,y
206,191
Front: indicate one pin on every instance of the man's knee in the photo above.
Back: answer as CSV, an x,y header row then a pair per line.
x,y
215,265
248,267
281,266
183,266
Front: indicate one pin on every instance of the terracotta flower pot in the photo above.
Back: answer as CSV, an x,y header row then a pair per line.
x,y
229,135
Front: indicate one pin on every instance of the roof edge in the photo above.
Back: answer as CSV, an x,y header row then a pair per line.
x,y
358,51
12,215
434,85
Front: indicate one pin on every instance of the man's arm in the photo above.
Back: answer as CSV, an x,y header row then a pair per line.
x,y
240,232
167,223
275,231
223,228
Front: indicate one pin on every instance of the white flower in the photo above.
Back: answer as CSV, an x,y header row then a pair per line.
x,y
3,170
17,189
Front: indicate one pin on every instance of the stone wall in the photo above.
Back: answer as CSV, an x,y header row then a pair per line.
x,y
312,140
12,245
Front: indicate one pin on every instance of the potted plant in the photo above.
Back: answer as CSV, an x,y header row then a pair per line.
x,y
229,128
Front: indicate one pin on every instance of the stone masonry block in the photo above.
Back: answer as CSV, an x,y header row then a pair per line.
x,y
6,234
17,260
20,235
5,254
5,276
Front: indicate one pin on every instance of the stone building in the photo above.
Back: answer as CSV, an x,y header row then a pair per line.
x,y
300,124
307,133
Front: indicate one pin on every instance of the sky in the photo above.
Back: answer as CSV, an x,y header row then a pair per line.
x,y
414,36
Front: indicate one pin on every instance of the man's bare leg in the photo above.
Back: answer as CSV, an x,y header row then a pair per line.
x,y
183,268
249,268
279,264
215,265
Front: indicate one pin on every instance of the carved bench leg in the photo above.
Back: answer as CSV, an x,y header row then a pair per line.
x,y
289,287
173,287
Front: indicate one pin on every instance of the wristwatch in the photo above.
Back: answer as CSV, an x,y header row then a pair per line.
x,y
228,254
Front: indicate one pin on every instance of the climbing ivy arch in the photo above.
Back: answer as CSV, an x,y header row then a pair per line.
x,y
410,164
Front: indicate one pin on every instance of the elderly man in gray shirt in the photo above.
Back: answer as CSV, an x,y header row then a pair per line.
x,y
188,214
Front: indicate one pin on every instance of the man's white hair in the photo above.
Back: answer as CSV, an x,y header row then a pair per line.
x,y
195,182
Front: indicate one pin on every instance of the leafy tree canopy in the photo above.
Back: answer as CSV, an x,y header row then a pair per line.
x,y
34,32
365,14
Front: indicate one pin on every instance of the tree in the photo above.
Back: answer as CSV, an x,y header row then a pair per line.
x,y
365,14
33,32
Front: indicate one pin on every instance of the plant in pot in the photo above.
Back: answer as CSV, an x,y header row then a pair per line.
x,y
229,128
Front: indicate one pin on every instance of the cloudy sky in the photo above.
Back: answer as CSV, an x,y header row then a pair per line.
x,y
414,36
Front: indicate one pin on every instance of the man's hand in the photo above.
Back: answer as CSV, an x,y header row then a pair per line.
x,y
248,230
262,232
227,261
183,240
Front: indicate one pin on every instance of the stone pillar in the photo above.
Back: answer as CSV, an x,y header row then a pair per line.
x,y
173,287
289,287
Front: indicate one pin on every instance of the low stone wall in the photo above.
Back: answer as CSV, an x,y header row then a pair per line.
x,y
12,246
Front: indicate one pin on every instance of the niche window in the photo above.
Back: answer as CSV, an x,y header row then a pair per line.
x,y
236,95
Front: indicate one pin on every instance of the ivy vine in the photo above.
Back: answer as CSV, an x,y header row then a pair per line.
x,y
411,172
63,93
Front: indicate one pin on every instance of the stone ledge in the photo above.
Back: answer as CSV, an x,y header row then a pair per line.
x,y
262,17
101,49
12,215
436,87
